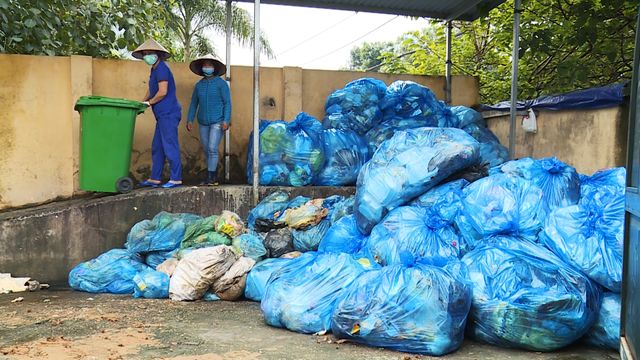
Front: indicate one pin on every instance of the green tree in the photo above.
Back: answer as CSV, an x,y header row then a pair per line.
x,y
368,56
565,45
188,19
100,28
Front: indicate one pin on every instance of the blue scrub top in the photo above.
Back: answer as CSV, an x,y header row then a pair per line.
x,y
169,105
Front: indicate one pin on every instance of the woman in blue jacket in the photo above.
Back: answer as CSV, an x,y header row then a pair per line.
x,y
211,105
161,96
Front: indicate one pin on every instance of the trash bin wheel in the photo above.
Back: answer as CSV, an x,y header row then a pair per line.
x,y
124,185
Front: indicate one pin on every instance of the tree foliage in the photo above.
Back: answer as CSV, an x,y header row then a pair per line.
x,y
368,56
188,19
101,28
564,45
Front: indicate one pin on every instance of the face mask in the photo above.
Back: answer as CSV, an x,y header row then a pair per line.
x,y
208,71
150,59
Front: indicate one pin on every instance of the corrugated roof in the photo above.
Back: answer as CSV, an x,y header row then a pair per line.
x,y
468,10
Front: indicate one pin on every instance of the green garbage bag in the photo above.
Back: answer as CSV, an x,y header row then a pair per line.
x,y
202,234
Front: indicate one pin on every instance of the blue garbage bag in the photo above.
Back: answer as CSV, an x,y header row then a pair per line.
x,y
156,258
501,205
525,297
408,165
410,100
341,209
467,116
309,239
342,237
605,333
345,154
303,300
355,107
492,153
111,272
590,237
250,245
559,182
163,233
259,275
151,284
266,209
446,199
420,309
210,296
385,131
291,153
612,181
409,233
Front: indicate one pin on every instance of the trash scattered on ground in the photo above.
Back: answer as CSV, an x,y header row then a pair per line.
x,y
17,300
9,284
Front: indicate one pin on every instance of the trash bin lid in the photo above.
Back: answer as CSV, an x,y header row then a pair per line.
x,y
107,101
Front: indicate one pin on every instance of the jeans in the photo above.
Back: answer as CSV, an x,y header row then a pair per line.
x,y
210,137
165,146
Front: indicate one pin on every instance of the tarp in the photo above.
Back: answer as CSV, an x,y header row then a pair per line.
x,y
593,98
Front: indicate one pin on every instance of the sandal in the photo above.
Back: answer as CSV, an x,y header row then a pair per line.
x,y
149,183
171,185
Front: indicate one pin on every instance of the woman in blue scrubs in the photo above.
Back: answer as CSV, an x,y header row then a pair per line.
x,y
161,96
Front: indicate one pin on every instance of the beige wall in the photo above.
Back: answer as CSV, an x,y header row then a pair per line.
x,y
39,130
36,138
588,140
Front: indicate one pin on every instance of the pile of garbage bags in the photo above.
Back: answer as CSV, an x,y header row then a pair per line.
x,y
355,107
178,256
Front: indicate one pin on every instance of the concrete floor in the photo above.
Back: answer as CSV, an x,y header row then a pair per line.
x,y
74,325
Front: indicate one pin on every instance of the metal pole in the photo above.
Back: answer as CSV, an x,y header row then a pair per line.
x,y
227,134
256,100
514,78
447,85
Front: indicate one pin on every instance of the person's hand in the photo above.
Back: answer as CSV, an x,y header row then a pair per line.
x,y
189,126
225,126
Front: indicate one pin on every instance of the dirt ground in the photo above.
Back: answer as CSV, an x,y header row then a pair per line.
x,y
73,325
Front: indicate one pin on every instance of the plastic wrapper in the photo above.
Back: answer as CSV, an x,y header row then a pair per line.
x,y
151,284
346,152
291,153
198,270
271,204
421,309
492,153
309,239
163,233
610,181
111,272
304,216
605,333
259,275
250,245
466,116
229,223
501,205
355,107
590,237
410,100
409,233
408,165
342,237
303,300
559,182
278,242
202,234
526,297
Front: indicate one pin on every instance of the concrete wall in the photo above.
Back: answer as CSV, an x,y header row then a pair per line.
x,y
47,241
588,140
39,131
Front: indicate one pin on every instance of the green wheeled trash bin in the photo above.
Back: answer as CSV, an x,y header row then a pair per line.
x,y
106,139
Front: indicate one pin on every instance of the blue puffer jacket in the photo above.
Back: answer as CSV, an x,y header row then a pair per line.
x,y
212,101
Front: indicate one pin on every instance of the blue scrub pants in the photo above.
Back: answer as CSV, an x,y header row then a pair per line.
x,y
165,146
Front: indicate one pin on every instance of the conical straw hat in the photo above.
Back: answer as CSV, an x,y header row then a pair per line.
x,y
196,65
151,45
